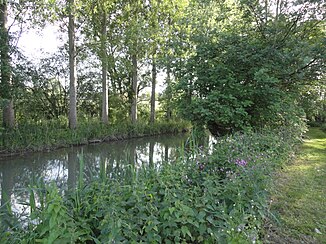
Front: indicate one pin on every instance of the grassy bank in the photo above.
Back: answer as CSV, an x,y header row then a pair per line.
x,y
200,198
46,135
300,195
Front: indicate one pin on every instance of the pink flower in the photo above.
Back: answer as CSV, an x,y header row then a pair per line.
x,y
241,162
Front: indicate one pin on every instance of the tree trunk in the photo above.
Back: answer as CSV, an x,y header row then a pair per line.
x,y
154,74
266,11
277,9
6,93
72,67
168,93
105,99
9,114
134,89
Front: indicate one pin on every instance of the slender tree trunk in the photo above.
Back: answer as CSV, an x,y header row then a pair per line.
x,y
169,94
6,93
134,89
168,80
277,9
154,74
105,91
266,11
72,67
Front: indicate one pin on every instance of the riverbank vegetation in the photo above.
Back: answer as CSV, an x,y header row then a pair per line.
x,y
251,72
220,198
52,134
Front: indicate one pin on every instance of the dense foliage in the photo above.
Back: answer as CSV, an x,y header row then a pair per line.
x,y
254,72
226,65
221,198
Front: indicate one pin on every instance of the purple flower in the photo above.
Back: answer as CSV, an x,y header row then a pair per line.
x,y
241,162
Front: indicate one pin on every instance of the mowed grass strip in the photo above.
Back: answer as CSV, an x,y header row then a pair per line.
x,y
299,197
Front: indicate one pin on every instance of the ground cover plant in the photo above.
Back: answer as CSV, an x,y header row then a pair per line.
x,y
200,198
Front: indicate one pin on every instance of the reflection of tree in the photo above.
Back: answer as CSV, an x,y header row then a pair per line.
x,y
110,167
120,160
103,162
72,162
166,153
128,173
20,172
151,154
7,185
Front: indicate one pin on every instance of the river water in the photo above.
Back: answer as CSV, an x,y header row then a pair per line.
x,y
62,166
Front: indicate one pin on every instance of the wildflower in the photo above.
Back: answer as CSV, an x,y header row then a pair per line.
x,y
201,167
241,162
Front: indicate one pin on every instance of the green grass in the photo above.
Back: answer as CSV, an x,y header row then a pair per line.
x,y
300,194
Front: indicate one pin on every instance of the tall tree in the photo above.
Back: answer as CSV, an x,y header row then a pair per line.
x,y
104,60
154,74
98,15
134,85
167,27
160,13
72,66
135,40
6,93
168,92
247,71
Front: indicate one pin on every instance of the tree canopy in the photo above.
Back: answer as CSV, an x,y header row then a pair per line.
x,y
224,65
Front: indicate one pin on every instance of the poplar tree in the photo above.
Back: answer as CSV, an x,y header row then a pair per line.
x,y
6,76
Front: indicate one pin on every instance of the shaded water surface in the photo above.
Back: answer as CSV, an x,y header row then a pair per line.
x,y
62,166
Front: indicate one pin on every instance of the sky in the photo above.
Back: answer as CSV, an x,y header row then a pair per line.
x,y
36,43
33,41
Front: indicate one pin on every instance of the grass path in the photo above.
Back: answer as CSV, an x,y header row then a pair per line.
x,y
299,197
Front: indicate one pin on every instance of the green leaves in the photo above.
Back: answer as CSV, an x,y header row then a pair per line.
x,y
199,198
241,76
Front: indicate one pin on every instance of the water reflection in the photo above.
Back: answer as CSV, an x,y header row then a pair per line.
x,y
62,166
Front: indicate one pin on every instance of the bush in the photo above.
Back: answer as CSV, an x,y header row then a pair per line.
x,y
323,127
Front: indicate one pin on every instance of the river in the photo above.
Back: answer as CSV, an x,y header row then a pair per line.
x,y
62,166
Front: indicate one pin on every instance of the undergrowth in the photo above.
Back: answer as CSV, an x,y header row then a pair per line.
x,y
34,136
200,198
